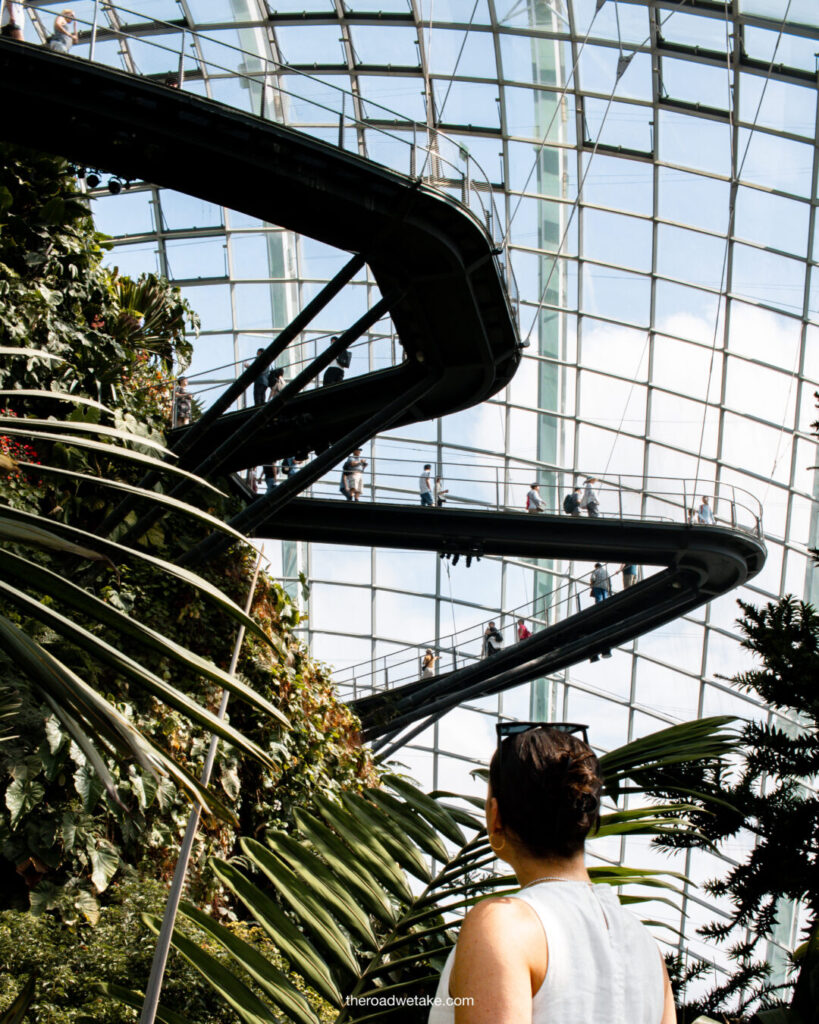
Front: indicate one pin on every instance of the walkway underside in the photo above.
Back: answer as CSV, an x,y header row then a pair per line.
x,y
700,563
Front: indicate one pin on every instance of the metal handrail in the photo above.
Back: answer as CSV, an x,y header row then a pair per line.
x,y
469,185
470,634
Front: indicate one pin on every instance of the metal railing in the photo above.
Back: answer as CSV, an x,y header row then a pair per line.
x,y
280,92
620,496
464,647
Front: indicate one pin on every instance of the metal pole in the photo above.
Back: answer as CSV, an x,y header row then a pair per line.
x,y
264,95
93,45
181,76
163,942
620,493
341,121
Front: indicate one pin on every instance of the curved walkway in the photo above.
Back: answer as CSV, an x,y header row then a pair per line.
x,y
443,287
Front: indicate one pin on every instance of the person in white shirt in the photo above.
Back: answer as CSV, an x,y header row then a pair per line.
x,y
560,949
425,487
12,21
440,491
534,502
589,500
705,513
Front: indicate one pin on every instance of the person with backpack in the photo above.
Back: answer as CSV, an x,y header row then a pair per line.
x,y
600,583
571,503
492,640
334,374
534,502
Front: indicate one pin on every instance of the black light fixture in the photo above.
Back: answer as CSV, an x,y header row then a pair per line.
x,y
81,173
92,180
115,186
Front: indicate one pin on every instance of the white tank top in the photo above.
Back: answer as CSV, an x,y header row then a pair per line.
x,y
604,966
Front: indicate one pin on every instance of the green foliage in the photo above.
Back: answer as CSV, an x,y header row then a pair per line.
x,y
86,329
119,948
765,795
131,656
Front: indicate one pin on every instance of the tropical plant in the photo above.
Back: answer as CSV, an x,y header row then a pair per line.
x,y
768,795
351,902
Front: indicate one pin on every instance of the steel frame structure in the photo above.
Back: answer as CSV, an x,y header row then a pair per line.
x,y
637,182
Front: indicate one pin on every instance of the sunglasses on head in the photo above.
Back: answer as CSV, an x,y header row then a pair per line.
x,y
504,729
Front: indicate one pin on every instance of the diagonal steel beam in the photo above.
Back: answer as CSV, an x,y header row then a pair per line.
x,y
261,509
197,435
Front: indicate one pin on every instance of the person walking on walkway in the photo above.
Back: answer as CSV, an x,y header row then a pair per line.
x,y
560,950
705,513
439,492
275,381
13,21
600,583
425,488
492,640
571,503
629,575
354,475
523,631
428,664
534,502
260,383
63,37
589,500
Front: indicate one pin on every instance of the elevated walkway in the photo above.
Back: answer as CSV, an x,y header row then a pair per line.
x,y
443,286
698,564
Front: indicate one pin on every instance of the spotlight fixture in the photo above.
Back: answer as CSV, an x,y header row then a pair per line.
x,y
92,180
115,186
81,173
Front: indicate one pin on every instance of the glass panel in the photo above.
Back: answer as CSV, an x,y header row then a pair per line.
x,y
784,107
768,278
386,44
622,241
129,213
622,184
691,256
695,142
772,221
196,257
693,199
179,211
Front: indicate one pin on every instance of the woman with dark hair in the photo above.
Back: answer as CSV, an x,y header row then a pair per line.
x,y
560,950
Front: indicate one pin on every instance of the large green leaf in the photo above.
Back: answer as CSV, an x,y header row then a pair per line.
x,y
235,992
56,586
109,655
291,941
320,878
156,497
31,427
364,847
115,451
276,985
354,875
36,536
120,552
71,698
391,835
306,903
